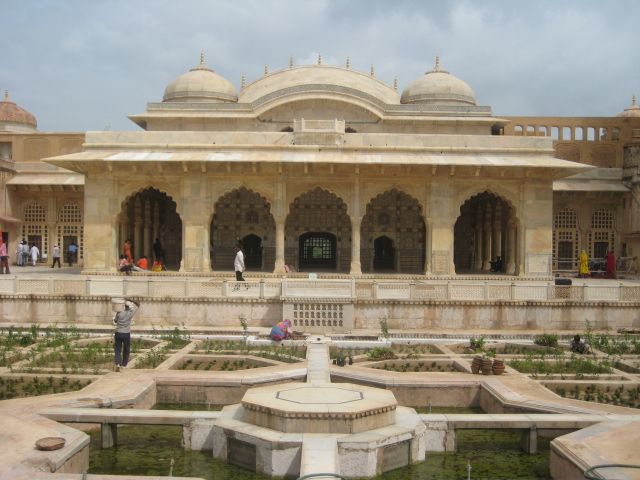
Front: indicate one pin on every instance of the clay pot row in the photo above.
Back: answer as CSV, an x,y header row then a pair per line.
x,y
487,366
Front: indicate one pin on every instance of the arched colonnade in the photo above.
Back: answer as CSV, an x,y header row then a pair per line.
x,y
318,231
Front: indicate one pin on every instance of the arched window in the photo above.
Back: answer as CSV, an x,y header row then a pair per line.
x,y
34,229
565,240
70,229
602,234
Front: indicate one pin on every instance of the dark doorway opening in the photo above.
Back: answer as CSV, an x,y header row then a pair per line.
x,y
384,254
565,255
252,247
317,251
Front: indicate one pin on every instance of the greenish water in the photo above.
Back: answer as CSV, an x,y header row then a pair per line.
x,y
494,455
148,450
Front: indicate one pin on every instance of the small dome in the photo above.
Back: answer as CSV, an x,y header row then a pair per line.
x,y
438,87
200,84
12,114
632,111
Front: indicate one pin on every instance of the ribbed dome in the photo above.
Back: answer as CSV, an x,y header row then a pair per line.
x,y
632,111
438,87
200,84
13,114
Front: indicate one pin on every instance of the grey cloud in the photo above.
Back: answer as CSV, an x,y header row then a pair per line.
x,y
81,65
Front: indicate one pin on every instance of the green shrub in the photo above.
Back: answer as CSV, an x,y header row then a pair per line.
x,y
381,353
546,340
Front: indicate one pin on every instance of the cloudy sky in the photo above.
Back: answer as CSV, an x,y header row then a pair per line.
x,y
85,65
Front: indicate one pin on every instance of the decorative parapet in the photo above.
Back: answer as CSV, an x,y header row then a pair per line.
x,y
320,291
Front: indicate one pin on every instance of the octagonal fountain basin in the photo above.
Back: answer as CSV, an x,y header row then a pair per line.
x,y
324,408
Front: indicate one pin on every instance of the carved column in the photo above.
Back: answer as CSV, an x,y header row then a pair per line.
x,y
486,260
511,247
427,245
477,265
156,221
147,229
279,211
356,267
279,265
496,239
137,228
123,232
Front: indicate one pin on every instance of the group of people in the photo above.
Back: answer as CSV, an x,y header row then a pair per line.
x,y
608,265
126,264
26,254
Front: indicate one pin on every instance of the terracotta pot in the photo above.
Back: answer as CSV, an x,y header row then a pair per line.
x,y
475,365
487,363
498,367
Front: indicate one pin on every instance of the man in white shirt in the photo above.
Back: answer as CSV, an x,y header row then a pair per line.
x,y
56,256
35,253
238,264
122,338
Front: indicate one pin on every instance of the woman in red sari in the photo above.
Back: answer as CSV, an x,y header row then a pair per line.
x,y
126,250
610,264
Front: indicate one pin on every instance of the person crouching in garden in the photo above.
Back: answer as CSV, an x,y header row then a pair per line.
x,y
122,338
281,331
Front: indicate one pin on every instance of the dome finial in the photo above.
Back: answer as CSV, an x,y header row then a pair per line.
x,y
266,69
242,81
373,71
633,100
319,59
291,61
6,94
437,66
202,64
395,84
348,65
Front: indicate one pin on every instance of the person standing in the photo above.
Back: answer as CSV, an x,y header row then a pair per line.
x,y
73,252
25,253
122,338
56,256
19,257
584,264
4,257
610,265
34,253
238,264
126,250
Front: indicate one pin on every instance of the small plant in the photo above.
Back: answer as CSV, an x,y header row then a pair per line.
x,y
245,327
381,353
477,344
384,328
546,340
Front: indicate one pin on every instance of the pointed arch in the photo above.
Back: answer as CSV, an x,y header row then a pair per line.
x,y
148,214
318,216
243,214
398,217
485,235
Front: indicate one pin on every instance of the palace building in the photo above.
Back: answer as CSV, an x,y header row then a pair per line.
x,y
320,168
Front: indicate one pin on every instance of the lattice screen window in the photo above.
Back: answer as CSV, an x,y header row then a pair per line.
x,y
70,218
565,240
70,213
565,218
34,229
602,235
35,213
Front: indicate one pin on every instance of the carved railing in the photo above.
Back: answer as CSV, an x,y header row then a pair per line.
x,y
289,289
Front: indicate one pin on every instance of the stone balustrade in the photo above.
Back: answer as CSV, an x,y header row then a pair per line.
x,y
338,289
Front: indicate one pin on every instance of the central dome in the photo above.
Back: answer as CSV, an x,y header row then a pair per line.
x,y
325,79
438,87
13,116
632,111
200,84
